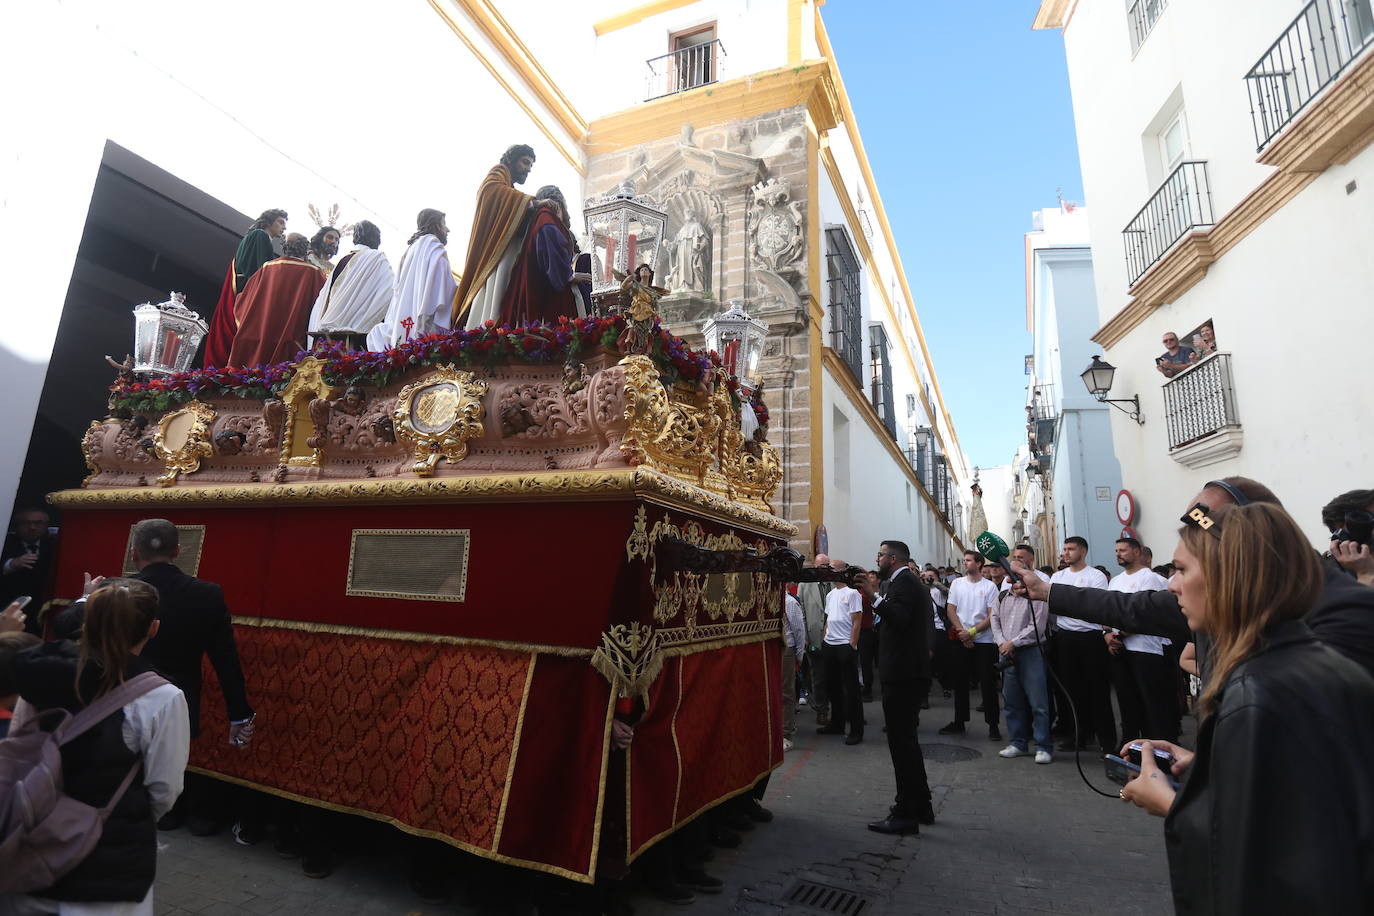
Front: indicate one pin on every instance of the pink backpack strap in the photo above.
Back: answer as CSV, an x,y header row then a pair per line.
x,y
108,704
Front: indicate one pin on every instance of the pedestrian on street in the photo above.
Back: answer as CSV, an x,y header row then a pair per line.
x,y
904,669
970,600
843,612
812,597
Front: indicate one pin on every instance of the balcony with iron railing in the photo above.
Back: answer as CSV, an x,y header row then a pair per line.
x,y
685,68
1182,203
1143,14
1325,38
1200,412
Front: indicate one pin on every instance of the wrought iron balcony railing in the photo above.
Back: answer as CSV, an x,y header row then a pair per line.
x,y
1143,15
1200,401
1182,203
1309,55
686,68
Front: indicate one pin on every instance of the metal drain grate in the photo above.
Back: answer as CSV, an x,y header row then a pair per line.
x,y
949,753
825,899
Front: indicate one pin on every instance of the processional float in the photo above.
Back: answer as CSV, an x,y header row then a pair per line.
x,y
452,564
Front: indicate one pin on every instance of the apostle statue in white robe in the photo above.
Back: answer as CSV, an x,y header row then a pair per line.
x,y
423,303
359,291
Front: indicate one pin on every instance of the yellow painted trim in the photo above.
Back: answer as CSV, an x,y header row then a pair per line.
x,y
815,328
794,27
637,14
840,373
569,153
811,83
852,129
498,31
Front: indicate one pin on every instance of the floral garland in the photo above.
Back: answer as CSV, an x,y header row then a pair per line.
x,y
483,347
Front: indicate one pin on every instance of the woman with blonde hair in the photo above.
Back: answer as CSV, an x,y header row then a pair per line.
x,y
1275,812
148,736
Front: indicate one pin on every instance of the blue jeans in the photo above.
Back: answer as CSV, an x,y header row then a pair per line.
x,y
1026,699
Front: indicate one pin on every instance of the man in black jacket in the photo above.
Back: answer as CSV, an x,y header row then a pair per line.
x,y
26,563
904,642
194,622
1343,616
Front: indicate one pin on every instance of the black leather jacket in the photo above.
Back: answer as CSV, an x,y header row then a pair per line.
x,y
1276,814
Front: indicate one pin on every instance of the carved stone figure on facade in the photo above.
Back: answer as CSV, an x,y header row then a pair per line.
x,y
384,429
638,336
690,255
777,239
319,418
515,419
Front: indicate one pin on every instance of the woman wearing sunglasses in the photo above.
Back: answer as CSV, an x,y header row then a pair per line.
x,y
1275,811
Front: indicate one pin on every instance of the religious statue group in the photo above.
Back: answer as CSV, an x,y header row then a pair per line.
x,y
523,266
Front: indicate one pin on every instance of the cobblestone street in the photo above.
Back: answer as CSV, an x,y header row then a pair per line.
x,y
1010,837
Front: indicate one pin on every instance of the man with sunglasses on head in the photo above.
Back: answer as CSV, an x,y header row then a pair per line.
x,y
1343,616
1176,357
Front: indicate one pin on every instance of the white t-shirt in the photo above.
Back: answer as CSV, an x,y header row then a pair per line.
x,y
972,601
1142,580
839,604
1087,577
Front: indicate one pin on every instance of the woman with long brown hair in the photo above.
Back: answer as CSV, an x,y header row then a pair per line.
x,y
1275,813
149,735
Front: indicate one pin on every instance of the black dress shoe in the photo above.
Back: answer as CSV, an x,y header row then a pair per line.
x,y
698,880
896,826
854,739
672,892
953,728
829,730
758,812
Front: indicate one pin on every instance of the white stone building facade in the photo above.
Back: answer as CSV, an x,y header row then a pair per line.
x,y
1226,154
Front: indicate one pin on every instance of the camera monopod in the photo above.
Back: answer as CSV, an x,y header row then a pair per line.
x,y
995,550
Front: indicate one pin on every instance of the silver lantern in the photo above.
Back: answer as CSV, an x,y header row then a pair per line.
x,y
623,231
166,336
739,341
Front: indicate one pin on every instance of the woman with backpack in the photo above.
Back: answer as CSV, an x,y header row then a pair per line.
x,y
130,761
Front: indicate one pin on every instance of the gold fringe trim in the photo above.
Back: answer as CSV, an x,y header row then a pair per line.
x,y
399,825
550,486
409,636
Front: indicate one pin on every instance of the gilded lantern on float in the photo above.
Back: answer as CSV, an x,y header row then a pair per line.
x,y
623,231
166,335
739,341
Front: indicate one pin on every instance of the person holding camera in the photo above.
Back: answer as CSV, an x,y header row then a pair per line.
x,y
1350,519
1275,813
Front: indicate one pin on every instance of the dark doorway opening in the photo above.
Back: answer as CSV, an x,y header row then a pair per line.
x,y
147,233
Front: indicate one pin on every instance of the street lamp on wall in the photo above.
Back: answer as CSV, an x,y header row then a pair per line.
x,y
1098,380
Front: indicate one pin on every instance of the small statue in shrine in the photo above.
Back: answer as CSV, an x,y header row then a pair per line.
x,y
760,412
638,337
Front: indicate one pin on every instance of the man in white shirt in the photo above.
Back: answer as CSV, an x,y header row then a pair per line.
x,y
1083,659
970,599
793,650
1143,676
843,612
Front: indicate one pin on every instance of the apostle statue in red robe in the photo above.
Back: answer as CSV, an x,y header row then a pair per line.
x,y
274,308
260,244
543,285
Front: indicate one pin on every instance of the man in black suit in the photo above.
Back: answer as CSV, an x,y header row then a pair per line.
x,y
904,642
194,622
26,563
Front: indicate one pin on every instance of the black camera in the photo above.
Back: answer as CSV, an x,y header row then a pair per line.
x,y
1359,527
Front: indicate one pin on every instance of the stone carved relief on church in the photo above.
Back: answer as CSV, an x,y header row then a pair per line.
x,y
777,237
690,255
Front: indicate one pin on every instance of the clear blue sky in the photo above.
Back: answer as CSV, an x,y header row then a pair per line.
x,y
967,120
